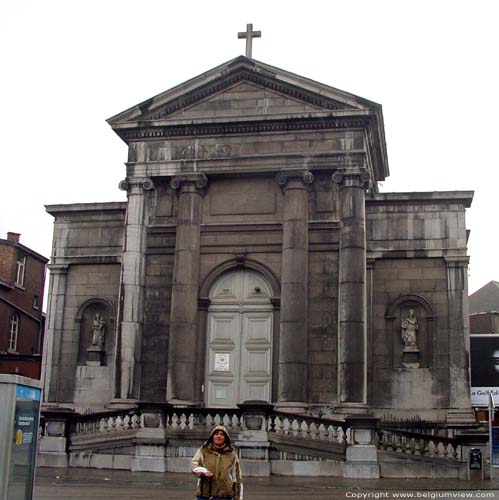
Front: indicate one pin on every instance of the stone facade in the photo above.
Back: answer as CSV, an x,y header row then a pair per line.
x,y
250,172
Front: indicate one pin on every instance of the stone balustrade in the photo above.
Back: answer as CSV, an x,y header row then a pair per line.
x,y
163,437
417,444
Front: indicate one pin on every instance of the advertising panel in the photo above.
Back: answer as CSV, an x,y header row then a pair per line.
x,y
484,369
27,411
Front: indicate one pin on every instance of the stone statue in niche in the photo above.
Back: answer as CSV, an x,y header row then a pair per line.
x,y
409,330
98,332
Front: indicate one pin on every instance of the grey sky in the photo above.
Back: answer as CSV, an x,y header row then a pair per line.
x,y
67,65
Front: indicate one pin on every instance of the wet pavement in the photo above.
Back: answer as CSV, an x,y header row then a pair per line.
x,y
76,484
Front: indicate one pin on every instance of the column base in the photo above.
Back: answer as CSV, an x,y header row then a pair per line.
x,y
351,409
122,403
292,407
460,416
180,403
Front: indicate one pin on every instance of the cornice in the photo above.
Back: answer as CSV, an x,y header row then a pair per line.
x,y
246,75
148,132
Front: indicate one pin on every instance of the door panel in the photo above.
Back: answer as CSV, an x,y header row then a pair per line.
x,y
223,376
256,356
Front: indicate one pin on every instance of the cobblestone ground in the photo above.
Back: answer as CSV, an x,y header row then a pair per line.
x,y
76,484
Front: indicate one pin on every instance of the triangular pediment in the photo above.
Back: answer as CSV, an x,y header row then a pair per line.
x,y
241,88
245,99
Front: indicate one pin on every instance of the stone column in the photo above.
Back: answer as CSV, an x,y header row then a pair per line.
x,y
131,303
459,388
293,348
182,343
352,307
52,349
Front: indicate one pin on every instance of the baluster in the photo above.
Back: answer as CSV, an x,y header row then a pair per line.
x,y
410,446
398,444
280,429
209,420
333,433
287,426
271,423
235,422
174,421
119,423
304,429
183,420
319,431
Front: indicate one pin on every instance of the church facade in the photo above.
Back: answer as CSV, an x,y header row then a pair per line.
x,y
256,260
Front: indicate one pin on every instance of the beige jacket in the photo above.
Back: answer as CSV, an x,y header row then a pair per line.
x,y
224,463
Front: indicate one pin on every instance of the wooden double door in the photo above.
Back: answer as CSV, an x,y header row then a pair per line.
x,y
239,340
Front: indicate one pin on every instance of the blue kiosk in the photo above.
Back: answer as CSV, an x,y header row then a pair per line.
x,y
20,399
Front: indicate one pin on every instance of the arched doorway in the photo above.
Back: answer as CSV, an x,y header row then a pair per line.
x,y
239,340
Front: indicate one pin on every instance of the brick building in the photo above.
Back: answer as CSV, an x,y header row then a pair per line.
x,y
22,280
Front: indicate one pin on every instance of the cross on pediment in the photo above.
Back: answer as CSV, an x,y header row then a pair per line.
x,y
249,34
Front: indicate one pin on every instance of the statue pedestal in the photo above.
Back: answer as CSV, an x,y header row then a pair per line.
x,y
410,357
95,356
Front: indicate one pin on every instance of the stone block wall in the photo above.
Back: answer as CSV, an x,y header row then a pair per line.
x,y
323,328
157,304
85,285
398,285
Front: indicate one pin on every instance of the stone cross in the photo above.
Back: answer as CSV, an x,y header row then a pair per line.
x,y
249,34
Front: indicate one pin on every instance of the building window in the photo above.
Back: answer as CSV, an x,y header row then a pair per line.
x,y
21,267
35,302
13,332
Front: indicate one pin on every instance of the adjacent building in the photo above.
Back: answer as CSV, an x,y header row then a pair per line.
x,y
22,280
484,330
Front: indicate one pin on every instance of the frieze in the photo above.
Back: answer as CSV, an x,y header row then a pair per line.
x,y
151,133
250,76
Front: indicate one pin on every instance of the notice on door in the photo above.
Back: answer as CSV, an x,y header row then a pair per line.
x,y
222,361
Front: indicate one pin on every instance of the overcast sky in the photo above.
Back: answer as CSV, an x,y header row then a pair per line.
x,y
68,65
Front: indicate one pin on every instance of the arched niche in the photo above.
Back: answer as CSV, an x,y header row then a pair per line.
x,y
397,311
85,317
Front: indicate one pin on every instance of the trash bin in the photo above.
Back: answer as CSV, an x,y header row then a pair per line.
x,y
475,463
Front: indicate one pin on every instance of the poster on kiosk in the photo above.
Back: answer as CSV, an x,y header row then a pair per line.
x,y
20,400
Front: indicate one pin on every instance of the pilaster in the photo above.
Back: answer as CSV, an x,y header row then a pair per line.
x,y
182,351
293,347
131,303
459,388
52,348
352,300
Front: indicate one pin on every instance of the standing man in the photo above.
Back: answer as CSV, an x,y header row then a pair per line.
x,y
218,468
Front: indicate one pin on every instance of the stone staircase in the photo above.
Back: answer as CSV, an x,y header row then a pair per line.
x,y
162,438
